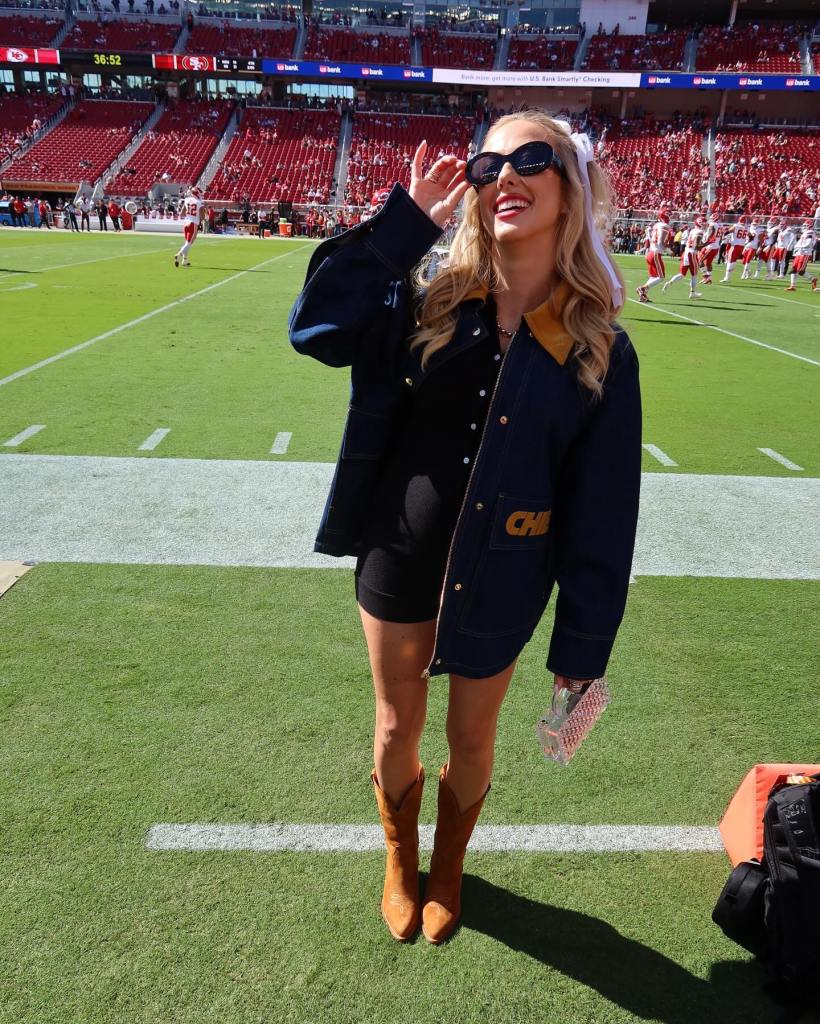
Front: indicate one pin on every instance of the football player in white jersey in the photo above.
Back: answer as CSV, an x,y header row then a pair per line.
x,y
710,247
658,239
767,244
192,206
803,252
777,253
738,236
691,241
750,249
785,245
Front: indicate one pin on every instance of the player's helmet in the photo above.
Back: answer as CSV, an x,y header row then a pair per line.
x,y
698,222
378,199
742,219
664,216
808,223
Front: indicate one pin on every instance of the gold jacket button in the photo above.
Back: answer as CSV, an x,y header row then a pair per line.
x,y
457,586
408,381
476,332
438,661
479,505
503,419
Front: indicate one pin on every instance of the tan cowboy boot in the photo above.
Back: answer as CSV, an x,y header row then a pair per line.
x,y
400,899
442,897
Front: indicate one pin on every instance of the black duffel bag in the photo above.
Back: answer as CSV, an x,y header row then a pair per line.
x,y
772,908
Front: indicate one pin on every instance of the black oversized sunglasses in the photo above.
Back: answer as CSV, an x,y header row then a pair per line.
x,y
531,158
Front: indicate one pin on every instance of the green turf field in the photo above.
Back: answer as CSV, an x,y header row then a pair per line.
x,y
132,695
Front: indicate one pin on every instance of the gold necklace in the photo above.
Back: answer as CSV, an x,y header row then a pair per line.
x,y
507,334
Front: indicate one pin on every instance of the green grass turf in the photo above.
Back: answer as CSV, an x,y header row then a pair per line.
x,y
219,372
134,695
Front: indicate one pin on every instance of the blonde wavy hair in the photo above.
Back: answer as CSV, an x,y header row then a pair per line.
x,y
587,314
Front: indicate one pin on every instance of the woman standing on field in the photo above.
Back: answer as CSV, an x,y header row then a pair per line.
x,y
492,448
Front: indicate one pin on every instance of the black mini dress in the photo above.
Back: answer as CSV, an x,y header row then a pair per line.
x,y
412,516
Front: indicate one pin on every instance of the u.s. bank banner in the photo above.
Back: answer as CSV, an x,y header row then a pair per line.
x,y
564,79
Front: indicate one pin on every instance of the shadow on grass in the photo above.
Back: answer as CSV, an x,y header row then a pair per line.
x,y
642,981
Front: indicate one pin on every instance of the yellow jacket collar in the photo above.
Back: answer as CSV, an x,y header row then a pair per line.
x,y
544,322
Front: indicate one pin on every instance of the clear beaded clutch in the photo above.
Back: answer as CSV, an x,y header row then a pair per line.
x,y
564,725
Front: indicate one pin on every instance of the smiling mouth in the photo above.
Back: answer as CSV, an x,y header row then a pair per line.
x,y
508,212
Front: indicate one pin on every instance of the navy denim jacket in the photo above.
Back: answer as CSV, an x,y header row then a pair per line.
x,y
553,492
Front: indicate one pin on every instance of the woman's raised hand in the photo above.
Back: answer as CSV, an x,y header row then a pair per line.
x,y
441,189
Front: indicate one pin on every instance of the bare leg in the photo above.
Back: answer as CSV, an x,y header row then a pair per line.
x,y
472,717
399,652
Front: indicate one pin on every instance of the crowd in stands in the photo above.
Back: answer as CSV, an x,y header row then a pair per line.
x,y
235,40
176,149
454,50
774,170
756,47
280,154
616,52
382,148
83,144
341,44
655,161
21,118
532,51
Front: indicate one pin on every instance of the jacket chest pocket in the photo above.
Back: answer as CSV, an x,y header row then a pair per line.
x,y
508,591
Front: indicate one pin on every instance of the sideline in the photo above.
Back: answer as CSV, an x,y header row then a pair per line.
x,y
721,330
265,513
280,837
140,319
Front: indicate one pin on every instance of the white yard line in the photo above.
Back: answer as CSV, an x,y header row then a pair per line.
x,y
160,511
661,456
280,443
281,837
140,319
781,459
722,330
150,443
791,302
83,263
24,435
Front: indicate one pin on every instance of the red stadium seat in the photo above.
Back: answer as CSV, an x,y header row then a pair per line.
x,y
179,145
22,30
774,48
655,163
17,117
126,36
83,144
663,50
227,40
768,171
537,52
279,154
383,145
369,46
455,49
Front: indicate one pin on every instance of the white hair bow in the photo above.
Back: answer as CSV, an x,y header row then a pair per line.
x,y
585,153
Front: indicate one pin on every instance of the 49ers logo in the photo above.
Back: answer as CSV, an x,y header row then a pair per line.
x,y
528,524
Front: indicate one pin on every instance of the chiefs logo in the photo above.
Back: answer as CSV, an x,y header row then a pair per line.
x,y
195,63
532,524
15,56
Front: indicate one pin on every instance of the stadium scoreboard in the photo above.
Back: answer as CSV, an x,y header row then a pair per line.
x,y
201,63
